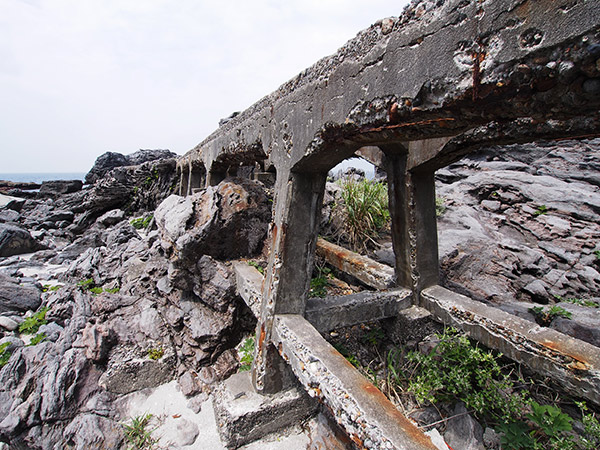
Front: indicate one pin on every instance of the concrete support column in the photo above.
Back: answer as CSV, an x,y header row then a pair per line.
x,y
414,228
184,181
297,208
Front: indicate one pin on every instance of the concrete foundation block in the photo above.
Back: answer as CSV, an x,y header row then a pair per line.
x,y
244,416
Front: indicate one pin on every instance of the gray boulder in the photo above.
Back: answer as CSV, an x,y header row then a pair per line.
x,y
15,240
227,221
59,187
18,297
109,160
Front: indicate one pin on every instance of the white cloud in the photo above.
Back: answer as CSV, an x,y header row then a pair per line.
x,y
81,77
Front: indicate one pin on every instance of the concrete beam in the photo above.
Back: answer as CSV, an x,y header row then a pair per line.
x,y
368,417
330,313
573,364
371,273
249,283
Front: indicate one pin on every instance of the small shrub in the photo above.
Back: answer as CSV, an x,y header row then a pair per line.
x,y
137,435
4,354
257,266
456,370
156,353
37,339
540,210
246,352
365,209
545,316
577,301
48,288
440,206
32,324
141,222
86,284
547,429
318,285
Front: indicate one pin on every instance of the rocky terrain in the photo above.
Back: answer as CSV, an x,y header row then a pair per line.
x,y
120,307
116,286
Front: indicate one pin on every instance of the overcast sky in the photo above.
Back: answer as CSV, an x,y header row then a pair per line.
x,y
82,77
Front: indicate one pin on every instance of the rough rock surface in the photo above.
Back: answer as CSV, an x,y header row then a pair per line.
x,y
116,323
109,160
15,240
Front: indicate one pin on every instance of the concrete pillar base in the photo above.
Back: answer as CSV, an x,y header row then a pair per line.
x,y
244,416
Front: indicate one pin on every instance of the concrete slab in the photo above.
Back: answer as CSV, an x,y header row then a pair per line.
x,y
243,416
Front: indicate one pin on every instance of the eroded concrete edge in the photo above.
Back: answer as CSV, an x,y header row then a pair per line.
x,y
573,364
368,417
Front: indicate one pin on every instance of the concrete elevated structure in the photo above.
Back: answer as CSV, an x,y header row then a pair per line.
x,y
414,94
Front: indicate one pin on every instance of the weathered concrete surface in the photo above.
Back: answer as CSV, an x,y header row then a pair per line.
x,y
371,273
330,313
572,363
249,282
368,417
244,416
476,72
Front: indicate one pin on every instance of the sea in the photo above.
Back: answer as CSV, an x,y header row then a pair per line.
x,y
39,177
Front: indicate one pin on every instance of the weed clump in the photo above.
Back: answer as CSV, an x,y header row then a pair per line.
x,y
32,324
366,211
137,434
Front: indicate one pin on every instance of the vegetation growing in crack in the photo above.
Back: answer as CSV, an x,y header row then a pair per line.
x,y
40,337
246,354
156,353
578,301
4,354
137,433
90,285
32,324
257,266
318,284
140,223
545,316
440,206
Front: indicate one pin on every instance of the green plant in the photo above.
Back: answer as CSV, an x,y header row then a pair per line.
x,y
591,440
141,222
346,354
37,339
137,434
440,206
49,288
318,284
96,290
547,429
4,354
597,253
112,290
374,336
540,210
577,301
32,324
366,210
457,370
86,284
257,266
156,353
545,316
246,352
